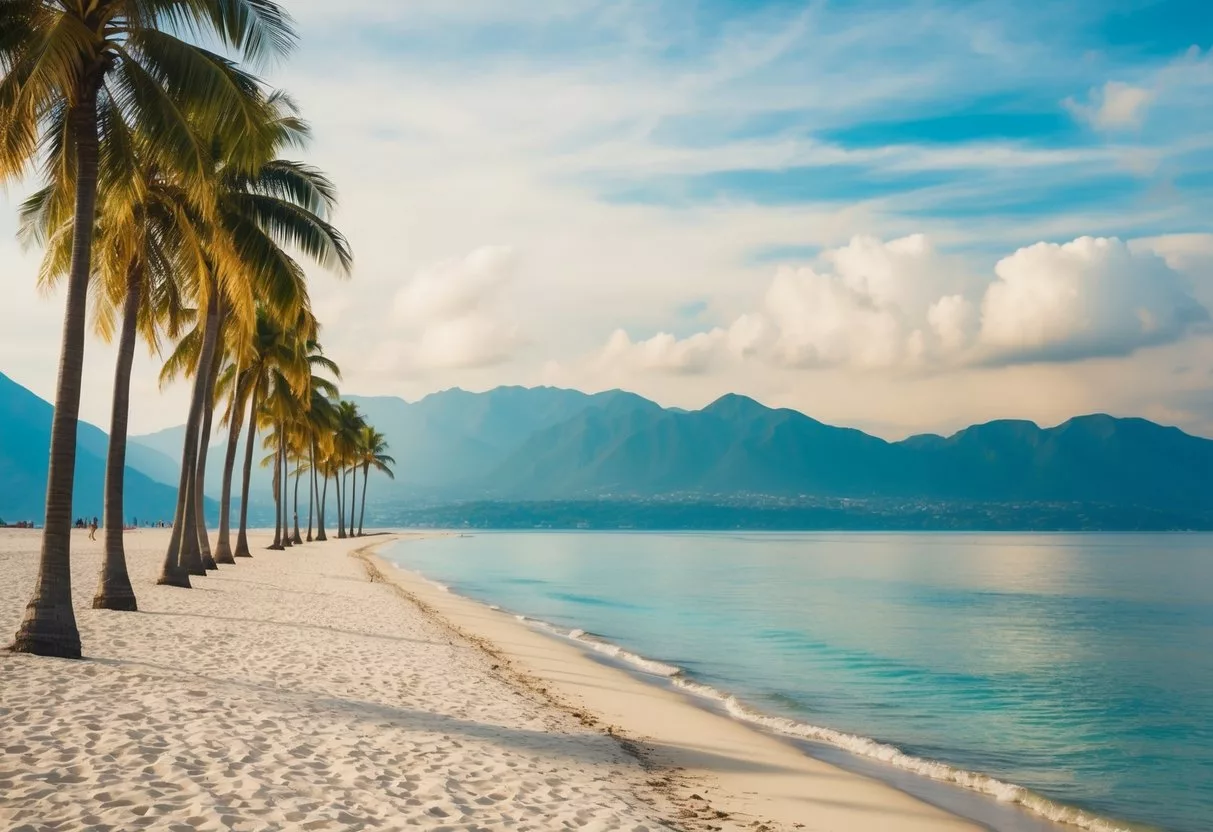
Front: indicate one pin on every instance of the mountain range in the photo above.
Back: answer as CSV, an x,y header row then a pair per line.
x,y
25,433
545,444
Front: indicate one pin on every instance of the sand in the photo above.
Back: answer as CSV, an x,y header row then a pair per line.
x,y
290,691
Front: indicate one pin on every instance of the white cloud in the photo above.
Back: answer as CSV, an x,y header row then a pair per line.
x,y
821,321
890,305
454,288
1089,297
952,319
472,340
455,311
1113,106
872,310
663,352
667,354
1188,253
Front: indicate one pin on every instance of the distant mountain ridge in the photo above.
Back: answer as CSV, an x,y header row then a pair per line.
x,y
551,444
25,430
545,443
738,445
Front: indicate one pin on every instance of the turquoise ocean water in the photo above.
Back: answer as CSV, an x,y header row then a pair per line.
x,y
1068,676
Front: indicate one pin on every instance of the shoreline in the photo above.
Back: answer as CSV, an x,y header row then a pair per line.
x,y
325,687
717,769
979,799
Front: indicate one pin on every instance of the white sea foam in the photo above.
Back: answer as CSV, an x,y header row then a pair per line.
x,y
890,754
607,648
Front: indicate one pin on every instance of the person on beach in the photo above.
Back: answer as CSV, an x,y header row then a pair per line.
x,y
92,529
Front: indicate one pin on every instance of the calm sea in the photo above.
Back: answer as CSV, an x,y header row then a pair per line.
x,y
1068,675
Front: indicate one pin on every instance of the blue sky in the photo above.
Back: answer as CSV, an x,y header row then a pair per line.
x,y
875,212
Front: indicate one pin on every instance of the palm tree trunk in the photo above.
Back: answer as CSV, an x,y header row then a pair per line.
x,y
311,484
223,546
297,540
285,456
114,591
353,494
339,475
49,625
242,550
320,535
277,544
366,472
208,414
186,555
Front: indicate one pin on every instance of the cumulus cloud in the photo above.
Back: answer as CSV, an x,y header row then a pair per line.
x,y
822,321
871,309
1113,106
455,287
1089,297
453,311
665,353
878,305
951,319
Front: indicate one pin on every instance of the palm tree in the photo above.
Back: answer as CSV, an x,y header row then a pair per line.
x,y
284,408
373,452
349,426
275,355
145,239
280,204
280,356
259,213
321,424
69,73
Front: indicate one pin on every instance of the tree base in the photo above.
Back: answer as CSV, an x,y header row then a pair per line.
x,y
208,564
181,580
121,603
321,538
223,554
277,547
242,554
40,640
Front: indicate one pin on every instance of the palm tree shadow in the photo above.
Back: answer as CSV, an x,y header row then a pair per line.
x,y
291,624
587,747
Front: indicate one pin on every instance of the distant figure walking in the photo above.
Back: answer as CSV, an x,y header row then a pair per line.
x,y
92,529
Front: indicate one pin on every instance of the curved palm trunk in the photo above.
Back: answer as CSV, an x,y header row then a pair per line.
x,y
277,544
297,540
284,456
223,546
242,550
114,591
339,476
49,625
311,485
320,535
353,494
186,556
366,472
208,414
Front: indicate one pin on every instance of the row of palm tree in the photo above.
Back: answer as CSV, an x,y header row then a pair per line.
x,y
328,440
167,199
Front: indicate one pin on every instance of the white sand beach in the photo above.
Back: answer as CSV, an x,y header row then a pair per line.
x,y
292,691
